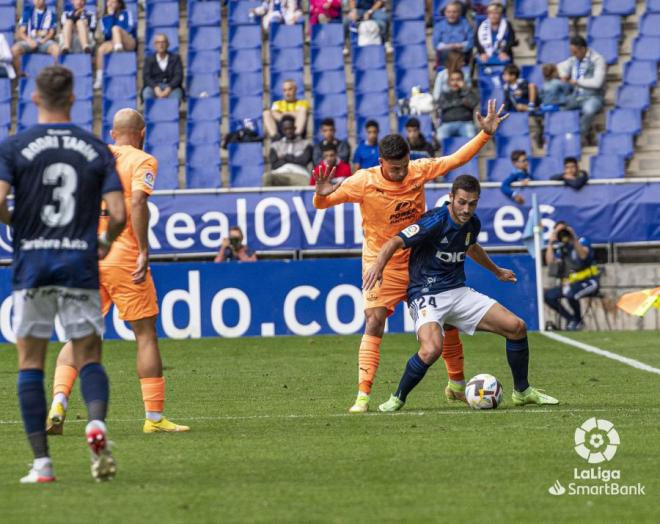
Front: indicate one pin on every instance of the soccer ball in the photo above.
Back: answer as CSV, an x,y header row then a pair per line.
x,y
483,391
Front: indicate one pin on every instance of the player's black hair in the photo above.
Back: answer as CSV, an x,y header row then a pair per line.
x,y
55,88
413,122
512,69
330,122
328,146
571,160
393,147
515,155
578,41
467,183
287,118
372,123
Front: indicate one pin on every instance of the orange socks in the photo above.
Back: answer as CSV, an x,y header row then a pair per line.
x,y
153,394
65,377
368,362
452,354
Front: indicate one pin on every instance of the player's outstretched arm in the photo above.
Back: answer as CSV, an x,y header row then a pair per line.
x,y
375,272
479,255
5,213
114,202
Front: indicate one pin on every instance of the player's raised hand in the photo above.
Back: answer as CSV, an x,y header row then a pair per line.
x,y
493,119
506,275
373,275
323,177
140,273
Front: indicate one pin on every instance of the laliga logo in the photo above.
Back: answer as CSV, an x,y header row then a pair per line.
x,y
596,440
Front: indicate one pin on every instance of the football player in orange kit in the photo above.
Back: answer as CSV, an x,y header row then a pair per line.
x,y
391,197
126,281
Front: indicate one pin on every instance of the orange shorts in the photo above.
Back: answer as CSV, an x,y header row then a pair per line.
x,y
388,293
133,301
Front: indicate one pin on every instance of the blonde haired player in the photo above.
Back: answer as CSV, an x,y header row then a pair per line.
x,y
126,281
391,197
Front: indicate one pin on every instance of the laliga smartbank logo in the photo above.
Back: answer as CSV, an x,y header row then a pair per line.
x,y
596,441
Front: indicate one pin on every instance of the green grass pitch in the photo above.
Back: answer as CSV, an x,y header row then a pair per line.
x,y
271,439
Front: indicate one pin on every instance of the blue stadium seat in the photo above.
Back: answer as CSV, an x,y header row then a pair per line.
x,y
26,115
246,166
203,14
161,110
411,57
287,59
650,25
327,59
327,35
172,34
646,48
408,9
406,79
453,144
604,26
383,124
652,6
633,97
206,132
79,63
245,60
83,88
551,28
624,121
566,144
204,155
26,86
574,8
5,114
619,7
7,19
162,133
341,127
408,33
330,105
119,64
607,166
505,145
498,169
608,47
277,83
471,168
204,38
425,122
640,73
533,74
81,112
204,109
369,57
328,82
245,37
531,9
246,83
618,143
561,122
372,104
552,51
119,87
496,93
5,90
285,35
168,165
241,108
239,12
33,63
4,130
163,14
202,62
516,124
110,107
207,85
203,176
545,167
371,81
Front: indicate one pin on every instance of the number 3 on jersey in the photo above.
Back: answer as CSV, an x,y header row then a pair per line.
x,y
63,176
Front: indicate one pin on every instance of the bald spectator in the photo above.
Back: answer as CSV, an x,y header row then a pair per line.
x,y
36,32
162,72
292,106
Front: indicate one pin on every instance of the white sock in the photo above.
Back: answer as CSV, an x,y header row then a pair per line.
x,y
362,394
60,398
96,424
41,462
154,416
119,47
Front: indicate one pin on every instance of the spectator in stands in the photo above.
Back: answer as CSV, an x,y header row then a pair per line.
x,y
162,72
455,62
571,259
119,34
520,174
278,12
456,108
233,249
365,10
78,26
342,147
6,59
324,11
36,32
519,94
292,106
452,33
554,93
290,157
495,38
572,176
330,160
366,155
585,70
419,146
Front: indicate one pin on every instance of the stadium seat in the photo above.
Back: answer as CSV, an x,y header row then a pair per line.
x,y
244,107
411,57
203,14
327,59
33,63
330,105
633,97
516,124
574,8
624,121
5,90
408,32
83,88
5,115
563,145
408,10
26,115
206,132
498,169
287,59
277,81
204,109
607,166
163,14
328,82
492,93
505,145
551,28
561,122
163,133
246,166
453,144
650,25
371,81
80,64
383,124
608,47
619,7
245,82
406,79
162,110
372,104
7,19
285,35
203,62
81,113
640,73
471,168
204,155
543,168
172,34
325,36
369,57
168,166
4,130
646,48
604,26
341,127
203,176
239,13
652,6
245,37
425,122
552,51
119,64
533,74
204,38
26,86
119,87
208,85
619,143
531,9
245,60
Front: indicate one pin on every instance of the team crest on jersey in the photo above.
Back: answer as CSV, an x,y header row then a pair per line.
x,y
410,231
467,239
149,179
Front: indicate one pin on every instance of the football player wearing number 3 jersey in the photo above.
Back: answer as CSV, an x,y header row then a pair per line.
x,y
391,197
60,173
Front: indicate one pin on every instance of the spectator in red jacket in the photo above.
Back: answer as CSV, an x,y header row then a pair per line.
x,y
324,11
330,160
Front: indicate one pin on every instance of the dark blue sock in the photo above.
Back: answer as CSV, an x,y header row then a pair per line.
x,y
95,390
517,353
414,372
32,399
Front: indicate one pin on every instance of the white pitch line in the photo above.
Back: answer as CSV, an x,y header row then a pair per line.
x,y
602,352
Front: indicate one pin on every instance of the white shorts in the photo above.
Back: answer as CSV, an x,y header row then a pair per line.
x,y
79,312
462,308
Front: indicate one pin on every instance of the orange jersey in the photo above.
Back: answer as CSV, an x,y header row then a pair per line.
x,y
137,171
388,207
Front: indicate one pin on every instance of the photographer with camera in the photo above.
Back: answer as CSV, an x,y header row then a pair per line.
x,y
571,259
233,249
